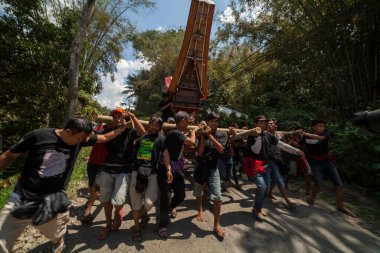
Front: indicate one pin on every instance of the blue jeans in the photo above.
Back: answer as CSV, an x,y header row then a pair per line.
x,y
262,181
225,166
276,175
320,168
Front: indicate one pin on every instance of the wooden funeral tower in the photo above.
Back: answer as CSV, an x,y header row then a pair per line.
x,y
189,84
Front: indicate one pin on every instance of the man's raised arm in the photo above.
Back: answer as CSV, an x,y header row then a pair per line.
x,y
7,158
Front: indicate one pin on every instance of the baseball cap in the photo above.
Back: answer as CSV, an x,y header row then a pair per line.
x,y
260,118
120,110
181,115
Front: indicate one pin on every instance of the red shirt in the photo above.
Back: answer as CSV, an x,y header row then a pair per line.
x,y
252,166
99,151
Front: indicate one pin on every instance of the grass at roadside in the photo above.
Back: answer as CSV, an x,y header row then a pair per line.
x,y
80,172
6,188
369,214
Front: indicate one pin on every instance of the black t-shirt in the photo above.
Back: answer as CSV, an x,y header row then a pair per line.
x,y
317,147
120,152
47,164
210,155
167,112
148,150
267,139
174,144
275,153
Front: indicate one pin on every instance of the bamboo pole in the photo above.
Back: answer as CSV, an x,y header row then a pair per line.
x,y
239,133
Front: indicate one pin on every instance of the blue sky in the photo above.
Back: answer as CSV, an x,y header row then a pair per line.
x,y
169,14
166,15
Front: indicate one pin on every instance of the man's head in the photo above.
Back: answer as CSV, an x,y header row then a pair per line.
x,y
318,126
260,121
76,130
183,120
155,125
212,120
272,125
118,117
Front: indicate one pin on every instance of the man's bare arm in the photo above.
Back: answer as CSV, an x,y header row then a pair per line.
x,y
7,158
139,127
191,140
315,136
110,135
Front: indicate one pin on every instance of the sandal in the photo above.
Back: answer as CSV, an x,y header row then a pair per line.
x,y
137,236
219,233
116,223
163,232
144,221
173,214
103,233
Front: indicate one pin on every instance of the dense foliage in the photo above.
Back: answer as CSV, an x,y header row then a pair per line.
x,y
35,42
292,60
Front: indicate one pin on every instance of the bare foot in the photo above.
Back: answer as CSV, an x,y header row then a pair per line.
x,y
219,232
200,216
263,212
346,211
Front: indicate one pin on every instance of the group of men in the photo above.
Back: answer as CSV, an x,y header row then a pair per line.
x,y
147,166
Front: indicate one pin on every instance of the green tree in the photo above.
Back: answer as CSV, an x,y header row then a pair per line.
x,y
161,50
35,42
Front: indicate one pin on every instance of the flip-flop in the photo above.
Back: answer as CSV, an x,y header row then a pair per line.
x,y
116,223
173,214
103,233
163,232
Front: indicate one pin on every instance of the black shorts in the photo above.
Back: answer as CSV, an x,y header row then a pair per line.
x,y
93,170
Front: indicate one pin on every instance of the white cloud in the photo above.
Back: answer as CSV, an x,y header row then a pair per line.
x,y
251,13
161,29
111,95
227,16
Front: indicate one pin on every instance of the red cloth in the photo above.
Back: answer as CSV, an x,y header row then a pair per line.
x,y
99,152
302,164
251,166
329,156
168,80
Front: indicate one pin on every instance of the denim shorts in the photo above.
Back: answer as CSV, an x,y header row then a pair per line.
x,y
323,167
214,188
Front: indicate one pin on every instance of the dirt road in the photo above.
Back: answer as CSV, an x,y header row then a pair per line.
x,y
307,229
